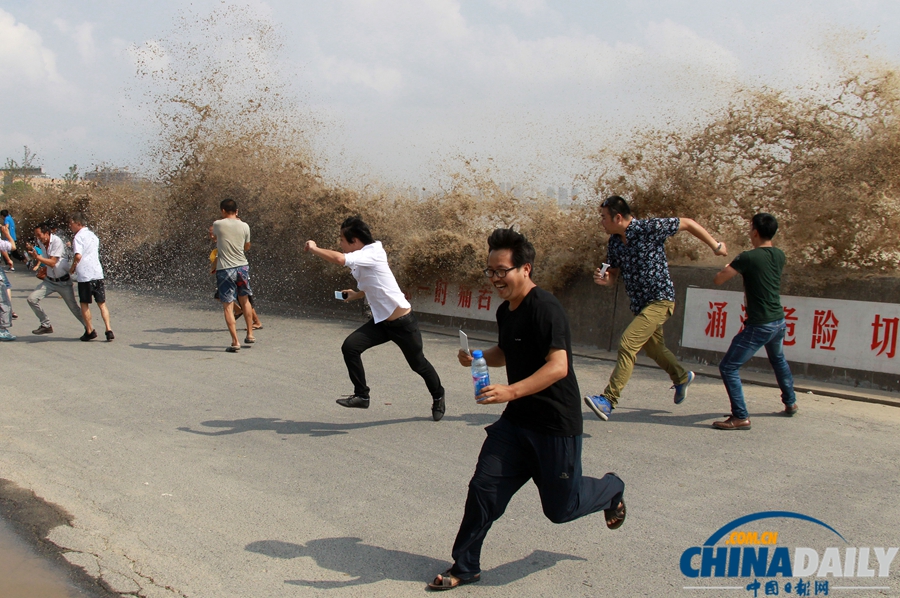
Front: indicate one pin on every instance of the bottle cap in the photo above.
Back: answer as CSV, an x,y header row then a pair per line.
x,y
477,354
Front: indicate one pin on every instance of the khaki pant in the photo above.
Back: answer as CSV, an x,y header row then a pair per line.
x,y
64,289
644,332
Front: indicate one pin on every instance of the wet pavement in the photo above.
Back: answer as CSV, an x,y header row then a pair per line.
x,y
25,574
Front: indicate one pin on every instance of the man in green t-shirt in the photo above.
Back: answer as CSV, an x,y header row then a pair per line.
x,y
761,268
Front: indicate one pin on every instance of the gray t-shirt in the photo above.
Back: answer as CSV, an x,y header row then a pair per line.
x,y
231,236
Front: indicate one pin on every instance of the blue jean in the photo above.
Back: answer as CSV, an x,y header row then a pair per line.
x,y
743,346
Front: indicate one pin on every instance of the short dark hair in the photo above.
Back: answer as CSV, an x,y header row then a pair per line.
x,y
229,205
78,217
44,227
765,224
354,228
616,205
507,238
4,213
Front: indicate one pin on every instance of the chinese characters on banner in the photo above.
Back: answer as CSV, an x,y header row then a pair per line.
x,y
718,319
859,335
459,300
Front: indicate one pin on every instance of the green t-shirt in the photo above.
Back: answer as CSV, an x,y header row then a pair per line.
x,y
761,269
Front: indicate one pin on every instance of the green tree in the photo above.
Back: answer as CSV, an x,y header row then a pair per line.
x,y
23,172
72,176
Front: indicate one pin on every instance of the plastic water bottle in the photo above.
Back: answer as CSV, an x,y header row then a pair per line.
x,y
481,377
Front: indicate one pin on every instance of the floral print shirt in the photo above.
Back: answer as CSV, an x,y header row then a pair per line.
x,y
642,260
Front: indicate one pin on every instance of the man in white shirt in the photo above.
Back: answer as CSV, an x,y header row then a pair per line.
x,y
392,317
57,280
89,275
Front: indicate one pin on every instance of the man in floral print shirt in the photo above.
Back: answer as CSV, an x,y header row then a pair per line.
x,y
636,250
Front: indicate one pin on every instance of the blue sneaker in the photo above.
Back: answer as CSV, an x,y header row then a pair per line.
x,y
599,405
681,389
5,335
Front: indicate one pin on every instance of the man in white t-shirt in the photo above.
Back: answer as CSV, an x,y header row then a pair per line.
x,y
56,260
392,317
89,275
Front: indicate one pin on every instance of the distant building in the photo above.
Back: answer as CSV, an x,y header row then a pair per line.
x,y
110,176
9,175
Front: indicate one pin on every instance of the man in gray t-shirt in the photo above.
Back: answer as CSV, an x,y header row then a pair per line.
x,y
232,271
231,237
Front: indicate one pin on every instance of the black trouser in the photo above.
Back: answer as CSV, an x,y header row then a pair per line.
x,y
404,332
510,456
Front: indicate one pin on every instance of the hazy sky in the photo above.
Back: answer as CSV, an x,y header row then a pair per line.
x,y
406,87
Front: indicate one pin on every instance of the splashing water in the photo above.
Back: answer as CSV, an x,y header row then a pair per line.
x,y
824,161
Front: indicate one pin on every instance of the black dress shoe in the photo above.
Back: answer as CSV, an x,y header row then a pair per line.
x,y
437,409
89,336
354,401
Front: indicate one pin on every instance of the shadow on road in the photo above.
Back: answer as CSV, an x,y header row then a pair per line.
x,y
315,429
777,414
664,417
370,564
181,330
177,347
43,338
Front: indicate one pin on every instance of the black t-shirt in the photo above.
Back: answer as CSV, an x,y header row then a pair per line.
x,y
526,336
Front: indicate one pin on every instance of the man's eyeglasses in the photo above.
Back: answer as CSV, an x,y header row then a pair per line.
x,y
500,273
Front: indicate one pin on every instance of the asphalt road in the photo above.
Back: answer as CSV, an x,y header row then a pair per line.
x,y
193,472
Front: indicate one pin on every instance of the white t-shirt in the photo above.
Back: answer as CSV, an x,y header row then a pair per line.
x,y
374,277
88,245
57,249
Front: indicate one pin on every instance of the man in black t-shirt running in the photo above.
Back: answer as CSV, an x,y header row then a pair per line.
x,y
765,326
539,434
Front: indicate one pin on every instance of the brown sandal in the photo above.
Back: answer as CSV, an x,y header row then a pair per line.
x,y
615,517
449,581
